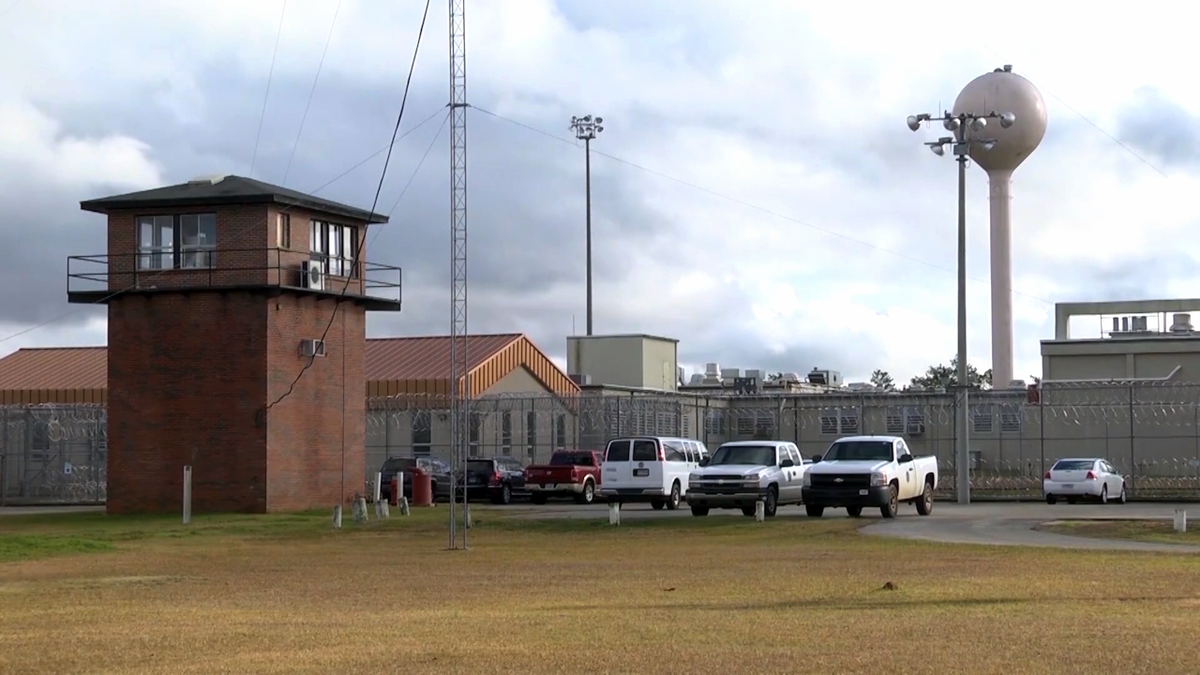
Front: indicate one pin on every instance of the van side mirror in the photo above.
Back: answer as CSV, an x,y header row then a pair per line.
x,y
905,458
816,458
786,463
704,461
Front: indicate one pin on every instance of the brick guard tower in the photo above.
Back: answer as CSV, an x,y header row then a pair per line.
x,y
218,292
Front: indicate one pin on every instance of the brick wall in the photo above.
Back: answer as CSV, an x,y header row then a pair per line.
x,y
314,452
185,381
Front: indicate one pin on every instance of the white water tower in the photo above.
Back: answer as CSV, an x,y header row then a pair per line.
x,y
1003,90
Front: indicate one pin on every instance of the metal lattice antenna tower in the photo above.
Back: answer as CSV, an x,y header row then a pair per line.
x,y
460,390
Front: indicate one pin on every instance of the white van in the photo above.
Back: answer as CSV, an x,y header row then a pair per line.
x,y
651,469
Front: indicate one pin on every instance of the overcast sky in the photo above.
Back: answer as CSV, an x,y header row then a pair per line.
x,y
770,209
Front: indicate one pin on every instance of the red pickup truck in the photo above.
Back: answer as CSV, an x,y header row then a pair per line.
x,y
573,472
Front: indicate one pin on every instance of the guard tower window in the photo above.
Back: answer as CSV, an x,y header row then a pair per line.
x,y
335,247
176,242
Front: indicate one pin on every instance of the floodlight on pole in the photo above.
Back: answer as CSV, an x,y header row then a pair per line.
x,y
962,125
586,129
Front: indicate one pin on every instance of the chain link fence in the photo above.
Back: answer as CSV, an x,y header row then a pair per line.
x,y
53,454
1149,431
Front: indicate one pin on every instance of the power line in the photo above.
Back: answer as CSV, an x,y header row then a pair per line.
x,y
267,94
363,240
116,293
313,90
1085,118
742,202
425,156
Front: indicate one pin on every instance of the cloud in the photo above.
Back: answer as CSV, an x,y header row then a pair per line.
x,y
767,206
1162,128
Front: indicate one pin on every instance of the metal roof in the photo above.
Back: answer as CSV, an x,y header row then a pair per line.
x,y
393,366
225,191
55,368
427,358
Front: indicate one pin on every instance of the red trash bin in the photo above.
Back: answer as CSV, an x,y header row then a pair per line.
x,y
422,487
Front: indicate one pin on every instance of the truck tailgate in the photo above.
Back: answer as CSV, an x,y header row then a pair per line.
x,y
545,475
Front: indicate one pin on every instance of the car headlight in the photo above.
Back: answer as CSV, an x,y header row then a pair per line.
x,y
878,479
693,477
751,483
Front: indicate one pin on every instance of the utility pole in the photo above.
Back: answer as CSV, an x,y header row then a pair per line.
x,y
586,129
964,126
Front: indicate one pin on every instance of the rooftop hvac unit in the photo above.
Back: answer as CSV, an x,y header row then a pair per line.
x,y
790,377
756,373
697,379
207,180
730,373
712,370
311,276
1181,323
747,385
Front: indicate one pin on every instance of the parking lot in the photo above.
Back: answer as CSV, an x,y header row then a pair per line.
x,y
996,523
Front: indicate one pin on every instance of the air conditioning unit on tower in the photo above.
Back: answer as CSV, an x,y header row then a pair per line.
x,y
312,276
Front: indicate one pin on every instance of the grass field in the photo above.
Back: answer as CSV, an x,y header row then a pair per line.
x,y
1155,531
89,593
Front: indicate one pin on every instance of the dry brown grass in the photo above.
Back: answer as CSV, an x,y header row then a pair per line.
x,y
717,595
1155,531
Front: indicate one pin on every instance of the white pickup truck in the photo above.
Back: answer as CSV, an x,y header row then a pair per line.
x,y
859,471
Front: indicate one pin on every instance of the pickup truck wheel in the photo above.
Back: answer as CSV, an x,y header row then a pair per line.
x,y
814,511
538,499
748,511
673,500
657,504
893,504
771,503
854,511
925,503
699,510
587,494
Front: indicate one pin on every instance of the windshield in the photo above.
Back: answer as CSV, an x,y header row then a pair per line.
x,y
860,451
753,455
570,459
1073,465
479,465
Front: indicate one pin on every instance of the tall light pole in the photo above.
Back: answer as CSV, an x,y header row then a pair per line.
x,y
586,129
965,127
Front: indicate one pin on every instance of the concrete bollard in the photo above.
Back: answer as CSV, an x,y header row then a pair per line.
x,y
187,495
359,509
760,511
337,517
384,510
404,506
1180,521
614,514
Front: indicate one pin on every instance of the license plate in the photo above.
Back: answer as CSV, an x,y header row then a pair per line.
x,y
641,472
863,493
1068,486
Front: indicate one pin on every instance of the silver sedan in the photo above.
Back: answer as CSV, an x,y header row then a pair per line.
x,y
1087,478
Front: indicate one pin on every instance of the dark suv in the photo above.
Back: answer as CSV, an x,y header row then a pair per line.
x,y
439,473
497,478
